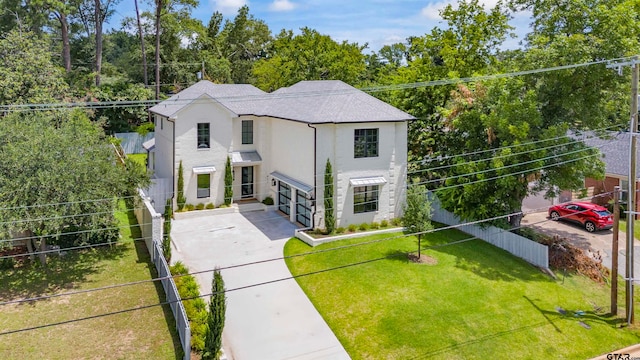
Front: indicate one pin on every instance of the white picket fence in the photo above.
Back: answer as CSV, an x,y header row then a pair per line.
x,y
529,250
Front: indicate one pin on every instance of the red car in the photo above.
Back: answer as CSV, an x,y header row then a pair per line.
x,y
593,217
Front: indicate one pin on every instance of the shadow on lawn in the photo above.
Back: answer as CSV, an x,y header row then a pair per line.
x,y
483,259
445,349
61,273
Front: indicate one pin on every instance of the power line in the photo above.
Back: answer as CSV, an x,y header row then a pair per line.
x,y
449,227
267,96
457,242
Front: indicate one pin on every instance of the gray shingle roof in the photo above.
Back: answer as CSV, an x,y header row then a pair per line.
x,y
615,152
316,102
131,142
232,96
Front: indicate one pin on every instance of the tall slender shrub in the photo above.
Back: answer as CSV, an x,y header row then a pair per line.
x,y
166,239
329,217
181,198
215,319
228,183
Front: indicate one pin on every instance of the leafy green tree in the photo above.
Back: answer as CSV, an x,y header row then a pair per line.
x,y
309,56
122,118
329,212
228,183
503,118
181,200
417,213
215,319
57,176
469,45
245,41
27,73
573,32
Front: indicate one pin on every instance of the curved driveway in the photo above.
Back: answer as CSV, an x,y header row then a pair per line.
x,y
274,321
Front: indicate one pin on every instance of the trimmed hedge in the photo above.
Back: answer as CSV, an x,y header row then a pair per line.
x,y
196,308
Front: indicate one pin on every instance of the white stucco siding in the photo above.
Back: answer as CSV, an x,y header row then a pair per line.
x,y
163,134
389,164
292,150
220,127
261,145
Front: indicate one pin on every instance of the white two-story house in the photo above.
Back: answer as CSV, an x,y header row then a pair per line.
x,y
279,143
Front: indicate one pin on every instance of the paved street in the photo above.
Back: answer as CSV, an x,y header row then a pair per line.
x,y
275,321
598,241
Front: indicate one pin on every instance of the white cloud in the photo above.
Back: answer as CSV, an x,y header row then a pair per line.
x,y
282,5
432,11
228,6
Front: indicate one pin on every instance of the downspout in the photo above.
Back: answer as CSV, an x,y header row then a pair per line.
x,y
315,175
173,150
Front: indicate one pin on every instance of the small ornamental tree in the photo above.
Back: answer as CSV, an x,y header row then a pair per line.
x,y
329,218
215,318
228,183
166,239
417,213
181,199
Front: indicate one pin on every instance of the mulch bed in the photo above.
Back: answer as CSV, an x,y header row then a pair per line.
x,y
423,259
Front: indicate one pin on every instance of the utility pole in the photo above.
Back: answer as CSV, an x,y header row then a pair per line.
x,y
631,195
614,251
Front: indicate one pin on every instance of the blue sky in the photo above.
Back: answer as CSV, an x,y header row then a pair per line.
x,y
376,22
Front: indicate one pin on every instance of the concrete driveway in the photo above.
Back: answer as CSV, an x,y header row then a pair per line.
x,y
599,241
273,321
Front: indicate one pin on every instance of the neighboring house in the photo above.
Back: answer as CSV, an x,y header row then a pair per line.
x,y
279,144
132,142
615,154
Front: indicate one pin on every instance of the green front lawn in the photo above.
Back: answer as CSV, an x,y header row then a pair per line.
x,y
141,334
636,228
477,302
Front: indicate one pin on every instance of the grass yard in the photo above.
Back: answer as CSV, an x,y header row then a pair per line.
x,y
139,158
636,228
141,334
477,302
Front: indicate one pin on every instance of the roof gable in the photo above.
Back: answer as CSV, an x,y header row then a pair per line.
x,y
316,102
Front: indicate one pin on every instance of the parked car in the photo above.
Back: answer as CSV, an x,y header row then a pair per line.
x,y
592,216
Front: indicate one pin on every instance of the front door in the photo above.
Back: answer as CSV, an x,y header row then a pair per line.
x,y
247,182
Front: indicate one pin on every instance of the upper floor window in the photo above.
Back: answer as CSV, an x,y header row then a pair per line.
x,y
365,143
247,131
203,136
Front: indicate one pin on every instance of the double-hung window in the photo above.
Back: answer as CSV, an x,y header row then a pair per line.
x,y
365,199
365,143
204,137
247,131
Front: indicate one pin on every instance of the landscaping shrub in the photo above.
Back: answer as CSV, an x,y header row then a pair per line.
x,y
228,183
181,200
375,225
166,239
196,308
330,220
384,224
210,206
352,228
268,201
189,207
340,230
396,222
200,206
215,318
363,227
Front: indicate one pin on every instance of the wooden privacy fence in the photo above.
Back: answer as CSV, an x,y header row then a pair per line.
x,y
151,227
529,250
